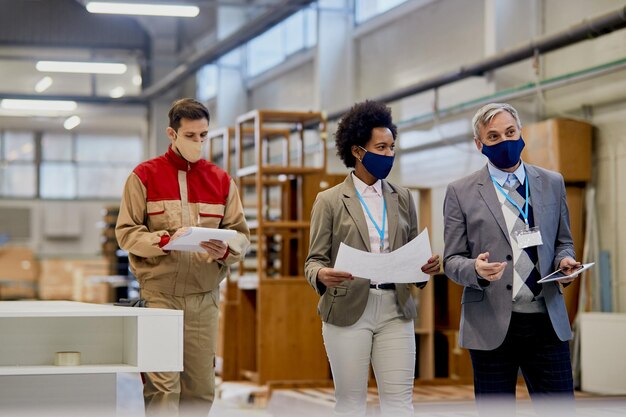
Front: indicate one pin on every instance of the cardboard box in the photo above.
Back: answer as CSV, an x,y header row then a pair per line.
x,y
17,263
18,273
56,281
560,145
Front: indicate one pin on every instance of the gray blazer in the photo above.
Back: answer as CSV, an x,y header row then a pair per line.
x,y
337,216
474,223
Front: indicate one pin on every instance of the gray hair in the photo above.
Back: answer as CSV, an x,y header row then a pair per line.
x,y
486,113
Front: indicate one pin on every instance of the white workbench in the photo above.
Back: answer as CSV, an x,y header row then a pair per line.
x,y
110,339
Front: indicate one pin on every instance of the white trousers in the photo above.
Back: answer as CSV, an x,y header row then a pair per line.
x,y
383,337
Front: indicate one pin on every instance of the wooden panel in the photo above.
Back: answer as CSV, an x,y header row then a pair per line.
x,y
227,345
247,331
290,345
576,206
314,184
459,362
560,145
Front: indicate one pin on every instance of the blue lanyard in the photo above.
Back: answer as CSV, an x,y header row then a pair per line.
x,y
524,212
381,232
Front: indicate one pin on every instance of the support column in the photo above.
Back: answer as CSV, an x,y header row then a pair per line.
x,y
232,96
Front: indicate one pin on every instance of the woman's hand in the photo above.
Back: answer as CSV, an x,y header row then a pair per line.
x,y
331,277
433,266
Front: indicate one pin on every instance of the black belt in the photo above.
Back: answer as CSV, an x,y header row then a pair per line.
x,y
383,286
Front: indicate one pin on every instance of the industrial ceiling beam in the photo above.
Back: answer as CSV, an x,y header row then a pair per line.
x,y
251,29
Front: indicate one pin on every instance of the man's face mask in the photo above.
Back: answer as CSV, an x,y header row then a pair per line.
x,y
189,149
505,154
377,165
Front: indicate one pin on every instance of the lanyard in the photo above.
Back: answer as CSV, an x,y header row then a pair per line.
x,y
524,212
381,231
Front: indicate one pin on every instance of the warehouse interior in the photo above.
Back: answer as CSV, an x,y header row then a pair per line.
x,y
294,67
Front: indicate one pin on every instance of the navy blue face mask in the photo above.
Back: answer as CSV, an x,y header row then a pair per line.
x,y
377,165
505,154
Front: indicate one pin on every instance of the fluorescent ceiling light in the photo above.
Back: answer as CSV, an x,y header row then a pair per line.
x,y
43,84
38,105
81,67
143,9
117,92
71,122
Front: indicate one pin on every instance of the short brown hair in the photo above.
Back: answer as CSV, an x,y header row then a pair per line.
x,y
187,108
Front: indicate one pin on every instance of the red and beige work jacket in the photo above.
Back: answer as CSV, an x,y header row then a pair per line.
x,y
164,194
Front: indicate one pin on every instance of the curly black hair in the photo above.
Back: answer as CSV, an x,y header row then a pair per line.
x,y
355,128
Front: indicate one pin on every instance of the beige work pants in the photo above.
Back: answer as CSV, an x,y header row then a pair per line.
x,y
191,392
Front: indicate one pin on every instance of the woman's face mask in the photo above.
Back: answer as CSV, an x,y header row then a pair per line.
x,y
376,164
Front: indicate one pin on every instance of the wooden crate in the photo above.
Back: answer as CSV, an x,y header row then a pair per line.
x,y
560,145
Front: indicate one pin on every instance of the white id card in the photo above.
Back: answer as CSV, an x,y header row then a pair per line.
x,y
528,238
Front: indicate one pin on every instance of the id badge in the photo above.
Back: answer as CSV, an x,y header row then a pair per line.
x,y
528,238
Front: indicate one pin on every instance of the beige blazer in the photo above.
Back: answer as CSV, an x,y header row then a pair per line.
x,y
337,216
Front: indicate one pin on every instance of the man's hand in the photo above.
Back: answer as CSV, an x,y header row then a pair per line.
x,y
331,277
215,248
568,266
433,266
490,271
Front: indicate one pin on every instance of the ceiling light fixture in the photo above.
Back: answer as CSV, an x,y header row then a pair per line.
x,y
71,122
38,105
117,92
143,9
81,67
43,84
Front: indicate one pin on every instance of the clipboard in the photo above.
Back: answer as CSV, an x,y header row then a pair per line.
x,y
559,274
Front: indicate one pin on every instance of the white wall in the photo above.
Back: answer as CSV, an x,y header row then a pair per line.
x,y
291,90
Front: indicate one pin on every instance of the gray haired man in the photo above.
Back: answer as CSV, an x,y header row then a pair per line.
x,y
506,226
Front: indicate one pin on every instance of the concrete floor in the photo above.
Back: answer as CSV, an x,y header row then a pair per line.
x,y
235,400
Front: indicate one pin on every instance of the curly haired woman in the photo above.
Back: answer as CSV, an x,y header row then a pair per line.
x,y
364,321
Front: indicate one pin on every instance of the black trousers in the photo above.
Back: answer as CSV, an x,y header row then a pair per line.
x,y
532,346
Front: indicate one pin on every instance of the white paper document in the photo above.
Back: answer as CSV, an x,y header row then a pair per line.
x,y
559,274
190,240
403,265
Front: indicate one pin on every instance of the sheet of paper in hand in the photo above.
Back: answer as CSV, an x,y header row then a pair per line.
x,y
403,265
190,240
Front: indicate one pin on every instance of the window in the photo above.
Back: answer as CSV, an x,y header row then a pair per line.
x,y
366,9
206,82
58,172
103,162
294,34
17,164
70,167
